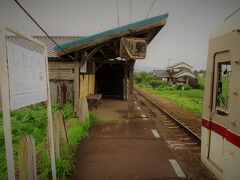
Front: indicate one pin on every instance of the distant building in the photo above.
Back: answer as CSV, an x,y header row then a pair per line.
x,y
177,73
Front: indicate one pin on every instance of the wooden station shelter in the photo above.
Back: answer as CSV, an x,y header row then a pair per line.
x,y
95,64
99,66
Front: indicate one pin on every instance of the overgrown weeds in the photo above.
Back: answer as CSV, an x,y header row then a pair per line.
x,y
33,120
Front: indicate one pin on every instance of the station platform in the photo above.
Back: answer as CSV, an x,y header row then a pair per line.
x,y
122,148
111,110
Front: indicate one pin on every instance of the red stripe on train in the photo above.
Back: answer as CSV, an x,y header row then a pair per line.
x,y
206,123
231,137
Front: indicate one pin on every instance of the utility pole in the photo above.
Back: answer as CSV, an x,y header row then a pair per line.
x,y
169,61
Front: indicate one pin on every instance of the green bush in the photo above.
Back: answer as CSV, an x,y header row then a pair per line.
x,y
154,83
157,83
201,83
143,77
138,79
67,109
200,86
183,87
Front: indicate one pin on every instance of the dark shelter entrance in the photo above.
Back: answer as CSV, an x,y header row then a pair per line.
x,y
109,80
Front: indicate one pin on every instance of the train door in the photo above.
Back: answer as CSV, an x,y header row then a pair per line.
x,y
220,103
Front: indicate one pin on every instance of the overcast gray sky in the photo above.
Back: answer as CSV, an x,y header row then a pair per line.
x,y
184,38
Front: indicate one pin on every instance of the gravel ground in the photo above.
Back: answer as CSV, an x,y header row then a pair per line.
x,y
189,118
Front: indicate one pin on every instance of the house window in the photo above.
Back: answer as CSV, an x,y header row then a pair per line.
x,y
224,73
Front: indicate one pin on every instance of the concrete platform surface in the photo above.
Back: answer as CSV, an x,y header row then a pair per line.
x,y
122,149
111,110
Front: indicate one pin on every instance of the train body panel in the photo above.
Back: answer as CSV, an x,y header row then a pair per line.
x,y
220,148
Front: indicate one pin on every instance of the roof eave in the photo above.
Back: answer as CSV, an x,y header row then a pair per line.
x,y
128,30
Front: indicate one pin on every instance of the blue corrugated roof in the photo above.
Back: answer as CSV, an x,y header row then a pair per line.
x,y
111,31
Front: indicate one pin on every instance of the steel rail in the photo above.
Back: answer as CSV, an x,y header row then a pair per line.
x,y
186,129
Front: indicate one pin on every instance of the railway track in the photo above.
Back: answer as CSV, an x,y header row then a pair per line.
x,y
185,137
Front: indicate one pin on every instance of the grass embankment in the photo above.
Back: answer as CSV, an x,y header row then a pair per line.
x,y
186,97
33,120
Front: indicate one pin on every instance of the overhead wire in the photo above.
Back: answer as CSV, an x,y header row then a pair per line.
x,y
150,8
28,14
130,12
195,7
117,12
232,14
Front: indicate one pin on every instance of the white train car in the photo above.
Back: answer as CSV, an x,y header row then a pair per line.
x,y
220,148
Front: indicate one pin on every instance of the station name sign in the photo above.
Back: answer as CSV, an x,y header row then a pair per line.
x,y
27,76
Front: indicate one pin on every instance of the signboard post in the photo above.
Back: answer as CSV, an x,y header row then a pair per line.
x,y
24,81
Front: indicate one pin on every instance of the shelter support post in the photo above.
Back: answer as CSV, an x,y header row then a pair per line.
x,y
76,83
130,90
125,83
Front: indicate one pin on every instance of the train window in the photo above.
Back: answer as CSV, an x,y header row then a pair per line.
x,y
224,72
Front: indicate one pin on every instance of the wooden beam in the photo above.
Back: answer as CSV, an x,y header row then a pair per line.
x,y
93,67
103,53
130,90
76,82
153,34
91,54
116,47
101,64
149,35
110,62
111,46
125,80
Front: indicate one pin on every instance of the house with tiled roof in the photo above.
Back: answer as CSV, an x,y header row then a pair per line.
x,y
177,73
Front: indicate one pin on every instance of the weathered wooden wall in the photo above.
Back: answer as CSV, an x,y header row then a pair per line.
x,y
61,70
61,75
61,91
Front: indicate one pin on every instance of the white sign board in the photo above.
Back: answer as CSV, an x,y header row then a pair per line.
x,y
27,76
24,81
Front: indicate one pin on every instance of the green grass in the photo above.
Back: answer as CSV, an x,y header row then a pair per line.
x,y
78,131
63,168
29,120
187,99
33,120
